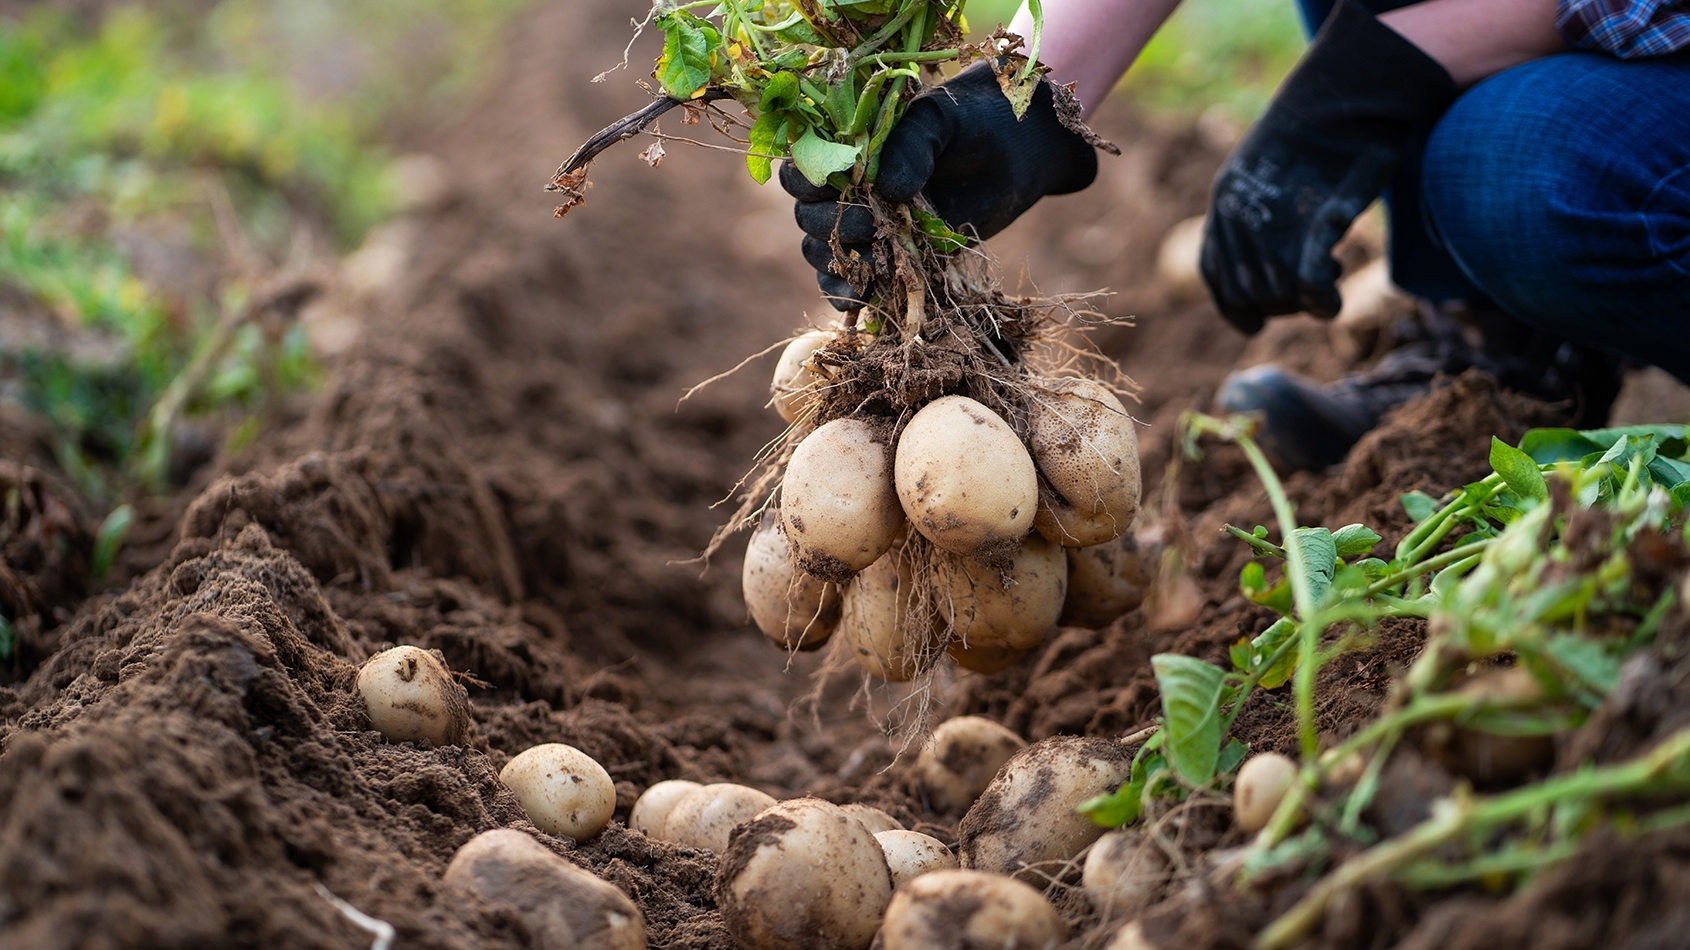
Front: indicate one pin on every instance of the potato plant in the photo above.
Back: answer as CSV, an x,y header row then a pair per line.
x,y
1540,584
946,445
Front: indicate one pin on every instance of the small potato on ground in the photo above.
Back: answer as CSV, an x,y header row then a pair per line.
x,y
911,854
1026,817
565,907
837,500
563,790
803,875
964,478
411,697
959,760
653,806
873,818
795,610
962,910
706,817
1262,783
1123,870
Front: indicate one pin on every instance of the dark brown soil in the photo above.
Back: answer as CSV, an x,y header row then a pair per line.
x,y
499,470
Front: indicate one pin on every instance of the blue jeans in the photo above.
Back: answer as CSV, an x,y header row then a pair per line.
x,y
1559,190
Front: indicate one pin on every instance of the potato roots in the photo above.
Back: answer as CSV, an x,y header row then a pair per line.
x,y
951,483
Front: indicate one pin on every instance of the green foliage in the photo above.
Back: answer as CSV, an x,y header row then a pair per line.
x,y
153,167
1511,581
1225,54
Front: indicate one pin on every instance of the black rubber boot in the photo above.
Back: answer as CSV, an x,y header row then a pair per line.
x,y
1307,425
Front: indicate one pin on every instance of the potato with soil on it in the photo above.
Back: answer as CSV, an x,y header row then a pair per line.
x,y
881,620
563,790
795,610
911,854
803,875
1014,608
960,759
564,907
962,910
1263,781
653,806
1083,442
793,387
873,818
837,500
1123,870
1107,580
1491,759
1026,817
411,696
705,818
964,478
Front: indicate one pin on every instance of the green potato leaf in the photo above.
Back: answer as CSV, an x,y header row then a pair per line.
x,y
1320,559
768,135
684,67
1518,469
818,158
1419,505
1354,540
1548,446
1191,700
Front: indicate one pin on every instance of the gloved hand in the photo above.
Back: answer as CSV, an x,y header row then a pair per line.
x,y
1323,151
962,146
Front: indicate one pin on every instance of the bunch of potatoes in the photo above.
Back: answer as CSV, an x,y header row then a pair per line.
x,y
1024,534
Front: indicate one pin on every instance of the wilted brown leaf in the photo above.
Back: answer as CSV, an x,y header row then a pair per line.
x,y
573,186
653,155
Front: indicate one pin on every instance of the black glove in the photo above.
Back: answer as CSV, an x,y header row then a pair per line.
x,y
962,146
1324,150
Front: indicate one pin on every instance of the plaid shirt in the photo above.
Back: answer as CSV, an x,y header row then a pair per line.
x,y
1629,29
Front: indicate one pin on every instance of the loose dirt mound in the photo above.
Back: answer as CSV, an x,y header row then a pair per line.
x,y
499,471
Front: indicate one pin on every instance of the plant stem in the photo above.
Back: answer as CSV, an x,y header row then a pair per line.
x,y
1452,817
1445,559
1261,544
750,33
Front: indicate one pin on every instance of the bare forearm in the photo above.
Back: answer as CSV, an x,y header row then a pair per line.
x,y
1092,42
1476,38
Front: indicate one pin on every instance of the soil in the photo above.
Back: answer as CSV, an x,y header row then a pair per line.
x,y
500,468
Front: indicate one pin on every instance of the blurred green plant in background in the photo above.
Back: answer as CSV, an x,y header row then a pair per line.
x,y
161,167
1224,54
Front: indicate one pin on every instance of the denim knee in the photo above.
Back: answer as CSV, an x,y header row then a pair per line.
x,y
1562,189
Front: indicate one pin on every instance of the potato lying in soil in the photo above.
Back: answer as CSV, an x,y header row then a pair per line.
x,y
1083,442
1107,580
873,818
1262,783
959,760
984,610
964,478
1123,871
706,818
838,503
803,875
877,620
653,806
793,384
564,907
411,696
911,854
1027,816
563,790
963,910
792,608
